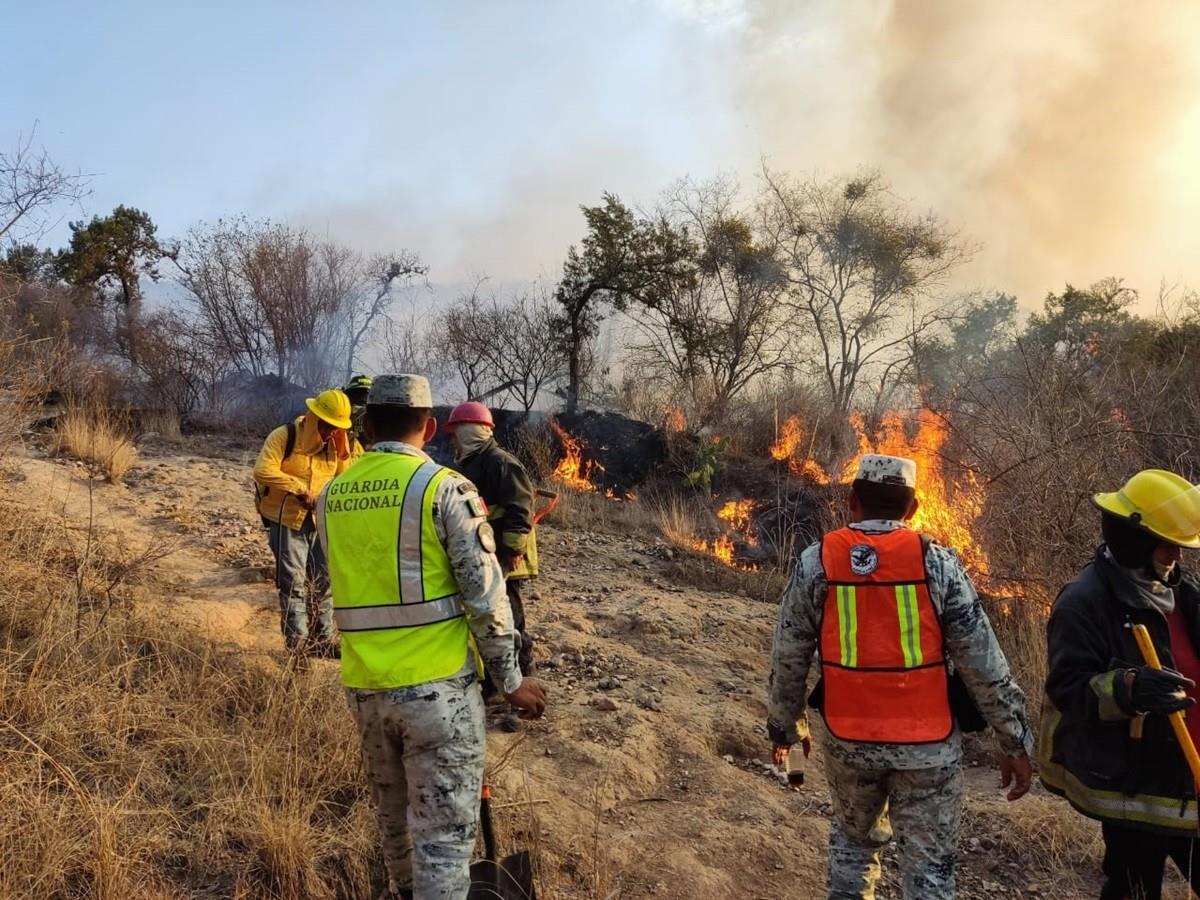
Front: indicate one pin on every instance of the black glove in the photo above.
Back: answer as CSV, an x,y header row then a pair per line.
x,y
1159,690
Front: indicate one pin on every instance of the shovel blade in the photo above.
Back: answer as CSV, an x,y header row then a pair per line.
x,y
509,879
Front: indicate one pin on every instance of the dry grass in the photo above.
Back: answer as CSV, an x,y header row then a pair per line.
x,y
141,760
97,436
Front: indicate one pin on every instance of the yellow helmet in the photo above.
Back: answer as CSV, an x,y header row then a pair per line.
x,y
331,406
1160,502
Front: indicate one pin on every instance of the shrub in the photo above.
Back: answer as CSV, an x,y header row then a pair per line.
x,y
97,436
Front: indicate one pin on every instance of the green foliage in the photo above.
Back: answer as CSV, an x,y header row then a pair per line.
x,y
1077,322
29,263
709,461
121,247
622,259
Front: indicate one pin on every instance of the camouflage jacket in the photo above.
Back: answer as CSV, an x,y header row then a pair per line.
x,y
971,647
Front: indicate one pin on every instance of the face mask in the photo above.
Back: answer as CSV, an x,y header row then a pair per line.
x,y
1163,573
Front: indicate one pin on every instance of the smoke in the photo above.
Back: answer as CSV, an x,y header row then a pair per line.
x,y
1059,137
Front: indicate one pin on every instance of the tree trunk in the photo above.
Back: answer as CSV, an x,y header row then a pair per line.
x,y
573,374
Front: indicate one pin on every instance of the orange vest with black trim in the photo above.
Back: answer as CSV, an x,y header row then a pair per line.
x,y
882,657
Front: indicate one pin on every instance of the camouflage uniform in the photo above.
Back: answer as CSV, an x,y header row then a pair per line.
x,y
921,783
423,746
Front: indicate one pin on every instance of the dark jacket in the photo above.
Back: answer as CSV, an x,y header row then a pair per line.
x,y
507,490
1087,752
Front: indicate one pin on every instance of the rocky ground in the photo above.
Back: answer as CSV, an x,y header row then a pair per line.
x,y
649,775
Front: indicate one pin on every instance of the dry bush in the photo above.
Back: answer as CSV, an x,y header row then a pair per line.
x,y
161,423
97,436
139,759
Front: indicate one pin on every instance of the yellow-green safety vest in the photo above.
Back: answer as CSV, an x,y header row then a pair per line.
x,y
395,599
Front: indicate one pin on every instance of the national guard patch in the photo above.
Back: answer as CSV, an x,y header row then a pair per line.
x,y
477,506
863,559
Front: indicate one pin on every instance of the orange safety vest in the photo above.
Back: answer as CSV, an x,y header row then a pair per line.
x,y
882,658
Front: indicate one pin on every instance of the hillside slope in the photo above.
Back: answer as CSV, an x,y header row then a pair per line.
x,y
646,778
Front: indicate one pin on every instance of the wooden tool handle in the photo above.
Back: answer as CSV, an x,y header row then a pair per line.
x,y
1150,655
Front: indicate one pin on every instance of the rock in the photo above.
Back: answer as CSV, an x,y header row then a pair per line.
x,y
728,758
605,704
726,686
650,702
611,683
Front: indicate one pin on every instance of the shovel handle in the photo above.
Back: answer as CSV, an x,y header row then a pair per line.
x,y
485,823
1142,635
540,514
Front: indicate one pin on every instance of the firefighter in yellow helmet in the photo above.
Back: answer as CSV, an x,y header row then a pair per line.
x,y
1107,745
296,462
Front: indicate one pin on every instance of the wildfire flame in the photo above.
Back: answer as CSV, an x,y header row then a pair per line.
x,y
786,445
573,470
674,420
946,512
736,515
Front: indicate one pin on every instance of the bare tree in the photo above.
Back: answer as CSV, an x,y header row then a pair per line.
x,y
271,295
526,356
861,271
467,332
31,186
370,300
716,328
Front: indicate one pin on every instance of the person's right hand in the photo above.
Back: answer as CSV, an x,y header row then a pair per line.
x,y
1159,690
308,500
529,698
1017,771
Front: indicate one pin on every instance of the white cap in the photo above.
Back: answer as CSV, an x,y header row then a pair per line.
x,y
887,470
401,390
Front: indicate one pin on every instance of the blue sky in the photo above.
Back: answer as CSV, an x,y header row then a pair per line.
x,y
441,128
1060,138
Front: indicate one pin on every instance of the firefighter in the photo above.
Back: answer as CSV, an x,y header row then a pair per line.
x,y
889,612
357,389
1106,743
415,579
507,489
296,462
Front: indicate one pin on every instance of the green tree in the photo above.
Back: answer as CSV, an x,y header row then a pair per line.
x,y
622,259
120,248
29,263
1077,324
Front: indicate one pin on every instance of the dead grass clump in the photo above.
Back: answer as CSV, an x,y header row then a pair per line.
x,y
139,759
99,437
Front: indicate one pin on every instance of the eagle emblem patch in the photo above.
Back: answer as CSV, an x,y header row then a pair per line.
x,y
863,559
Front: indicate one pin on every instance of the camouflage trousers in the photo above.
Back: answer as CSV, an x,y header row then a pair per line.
x,y
924,807
423,754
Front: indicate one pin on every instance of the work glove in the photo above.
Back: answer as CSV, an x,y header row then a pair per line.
x,y
1158,690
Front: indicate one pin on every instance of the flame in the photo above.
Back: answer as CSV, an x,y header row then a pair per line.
x,y
947,512
573,470
789,439
786,445
736,514
675,421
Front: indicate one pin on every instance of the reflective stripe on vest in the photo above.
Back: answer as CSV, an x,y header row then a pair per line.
x,y
883,665
397,615
395,597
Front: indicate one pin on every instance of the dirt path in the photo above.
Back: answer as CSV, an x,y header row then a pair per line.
x,y
647,776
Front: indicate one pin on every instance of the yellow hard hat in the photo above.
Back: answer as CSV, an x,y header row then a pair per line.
x,y
331,406
1160,502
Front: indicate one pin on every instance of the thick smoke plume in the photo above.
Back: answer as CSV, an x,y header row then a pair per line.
x,y
1062,136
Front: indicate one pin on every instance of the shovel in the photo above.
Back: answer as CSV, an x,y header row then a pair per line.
x,y
510,878
544,511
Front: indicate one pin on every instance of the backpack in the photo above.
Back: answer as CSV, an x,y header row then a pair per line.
x,y
261,491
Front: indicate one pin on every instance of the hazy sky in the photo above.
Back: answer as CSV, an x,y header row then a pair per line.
x,y
1063,138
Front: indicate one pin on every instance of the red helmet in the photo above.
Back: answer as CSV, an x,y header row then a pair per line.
x,y
472,412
